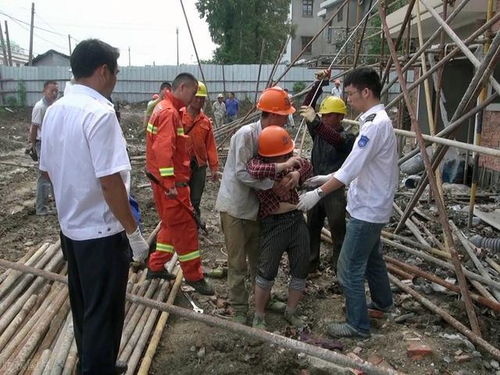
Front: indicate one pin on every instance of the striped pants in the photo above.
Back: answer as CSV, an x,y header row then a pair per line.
x,y
178,233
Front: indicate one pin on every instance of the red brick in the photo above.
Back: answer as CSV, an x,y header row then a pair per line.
x,y
376,314
418,351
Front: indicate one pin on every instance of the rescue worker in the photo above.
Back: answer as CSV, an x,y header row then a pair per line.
x,y
219,110
238,204
168,158
199,129
371,169
337,91
331,146
164,87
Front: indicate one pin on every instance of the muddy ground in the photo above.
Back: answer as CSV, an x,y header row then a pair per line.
x,y
193,348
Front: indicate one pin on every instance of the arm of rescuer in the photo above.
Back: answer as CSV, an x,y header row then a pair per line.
x,y
311,100
164,149
213,158
259,169
342,141
244,152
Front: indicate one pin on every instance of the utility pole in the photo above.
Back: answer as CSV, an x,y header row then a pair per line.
x,y
69,44
7,38
129,56
30,59
4,50
177,32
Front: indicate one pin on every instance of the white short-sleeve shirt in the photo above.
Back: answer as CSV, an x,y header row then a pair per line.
x,y
38,114
371,169
83,141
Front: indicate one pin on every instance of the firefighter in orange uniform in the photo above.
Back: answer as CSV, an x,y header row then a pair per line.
x,y
168,159
204,151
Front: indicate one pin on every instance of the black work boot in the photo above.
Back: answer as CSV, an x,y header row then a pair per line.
x,y
202,286
163,274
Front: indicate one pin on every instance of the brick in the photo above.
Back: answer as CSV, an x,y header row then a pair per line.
x,y
417,351
375,314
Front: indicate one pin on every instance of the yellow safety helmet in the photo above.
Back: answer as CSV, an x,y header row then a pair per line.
x,y
202,89
332,104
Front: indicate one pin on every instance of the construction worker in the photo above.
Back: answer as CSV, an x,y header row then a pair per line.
x,y
164,87
232,107
43,185
283,227
199,129
336,90
331,146
219,110
168,158
237,202
85,155
371,169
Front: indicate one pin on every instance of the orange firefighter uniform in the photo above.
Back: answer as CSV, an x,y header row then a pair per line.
x,y
168,156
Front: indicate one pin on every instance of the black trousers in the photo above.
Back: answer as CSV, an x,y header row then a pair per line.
x,y
332,207
97,281
197,185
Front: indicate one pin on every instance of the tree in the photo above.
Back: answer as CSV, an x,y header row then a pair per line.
x,y
239,26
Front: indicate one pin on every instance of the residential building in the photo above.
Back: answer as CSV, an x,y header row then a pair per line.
x,y
51,58
18,58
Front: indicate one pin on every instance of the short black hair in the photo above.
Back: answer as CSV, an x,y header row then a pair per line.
x,y
183,78
165,85
364,77
46,83
90,54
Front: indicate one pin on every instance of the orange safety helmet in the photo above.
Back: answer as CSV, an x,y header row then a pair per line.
x,y
275,100
275,141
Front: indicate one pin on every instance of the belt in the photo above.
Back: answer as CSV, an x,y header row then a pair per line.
x,y
181,184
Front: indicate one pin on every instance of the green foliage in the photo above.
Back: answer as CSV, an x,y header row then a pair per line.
x,y
11,101
298,87
21,93
239,26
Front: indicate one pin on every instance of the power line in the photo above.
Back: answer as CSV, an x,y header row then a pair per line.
x,y
36,27
20,24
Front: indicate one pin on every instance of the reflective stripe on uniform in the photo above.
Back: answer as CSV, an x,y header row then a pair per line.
x,y
180,131
165,172
189,256
164,247
151,128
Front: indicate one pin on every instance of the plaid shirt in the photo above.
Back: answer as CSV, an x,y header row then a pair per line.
x,y
330,135
269,200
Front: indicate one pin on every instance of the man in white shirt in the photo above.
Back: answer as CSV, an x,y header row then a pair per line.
x,y
219,110
43,186
371,172
237,203
86,159
337,90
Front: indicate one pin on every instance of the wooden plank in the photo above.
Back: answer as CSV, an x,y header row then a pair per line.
x,y
492,218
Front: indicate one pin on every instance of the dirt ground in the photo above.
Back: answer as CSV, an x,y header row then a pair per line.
x,y
193,348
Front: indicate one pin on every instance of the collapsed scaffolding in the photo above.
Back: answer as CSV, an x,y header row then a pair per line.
x,y
35,353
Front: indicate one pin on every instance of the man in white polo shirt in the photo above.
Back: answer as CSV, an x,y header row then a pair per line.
x,y
371,172
85,156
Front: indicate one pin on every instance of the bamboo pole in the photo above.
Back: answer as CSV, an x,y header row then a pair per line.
x,y
42,362
147,360
281,341
140,288
140,336
135,316
470,251
492,304
394,270
29,258
448,318
17,321
13,365
71,360
439,262
61,347
13,303
412,227
493,264
442,254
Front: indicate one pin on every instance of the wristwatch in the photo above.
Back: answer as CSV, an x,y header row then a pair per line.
x,y
320,192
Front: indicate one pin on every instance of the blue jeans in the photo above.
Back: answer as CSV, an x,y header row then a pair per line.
x,y
361,257
43,187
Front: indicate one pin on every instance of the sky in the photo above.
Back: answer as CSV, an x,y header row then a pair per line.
x,y
147,27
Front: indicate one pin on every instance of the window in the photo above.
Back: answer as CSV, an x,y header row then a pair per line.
x,y
305,40
307,8
340,15
329,33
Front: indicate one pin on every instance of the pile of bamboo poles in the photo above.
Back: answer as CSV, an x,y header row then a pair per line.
x,y
36,328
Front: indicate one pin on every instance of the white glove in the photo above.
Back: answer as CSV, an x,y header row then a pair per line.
x,y
140,247
308,113
308,200
317,180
